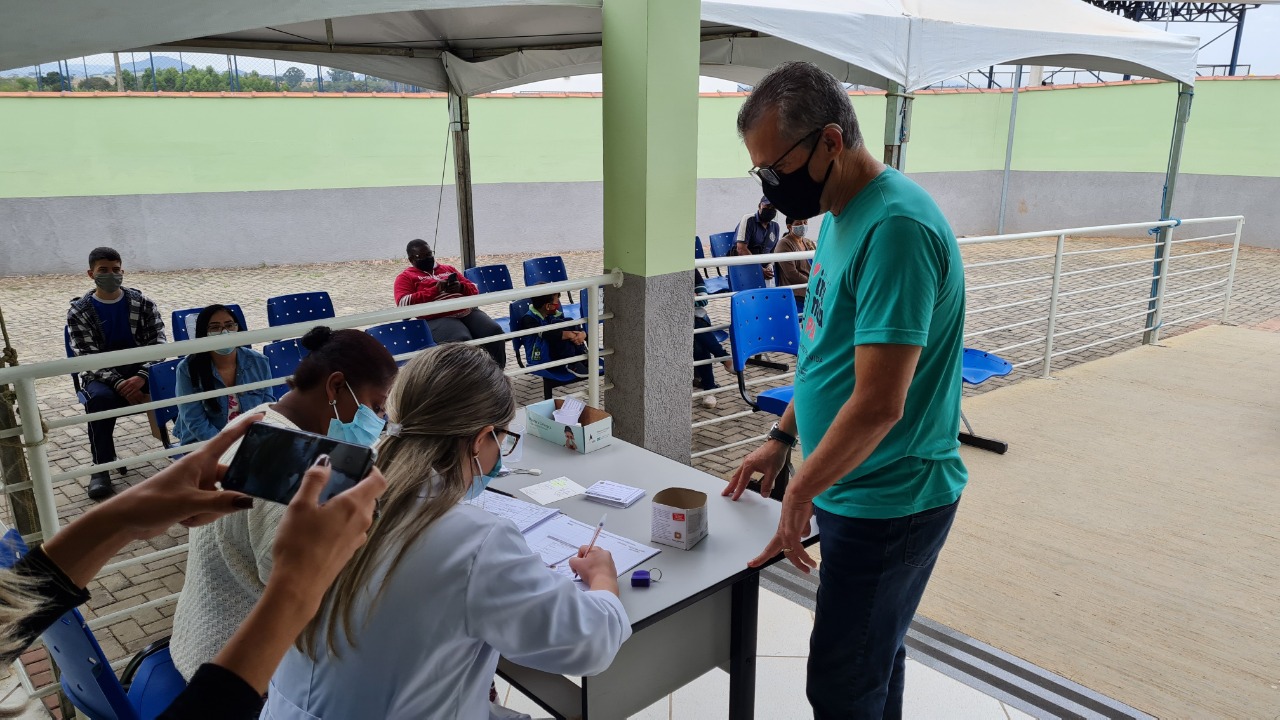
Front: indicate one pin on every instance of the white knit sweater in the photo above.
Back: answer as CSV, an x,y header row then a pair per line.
x,y
227,567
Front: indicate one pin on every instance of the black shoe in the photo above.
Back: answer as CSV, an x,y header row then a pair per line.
x,y
100,486
123,471
577,369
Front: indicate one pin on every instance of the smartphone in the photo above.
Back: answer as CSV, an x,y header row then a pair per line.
x,y
271,460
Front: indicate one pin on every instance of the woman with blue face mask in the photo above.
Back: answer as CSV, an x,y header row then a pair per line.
x,y
215,370
443,588
339,389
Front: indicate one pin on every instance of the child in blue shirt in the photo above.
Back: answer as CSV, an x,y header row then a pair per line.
x,y
556,344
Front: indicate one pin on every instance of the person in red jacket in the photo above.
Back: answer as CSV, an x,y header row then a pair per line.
x,y
426,281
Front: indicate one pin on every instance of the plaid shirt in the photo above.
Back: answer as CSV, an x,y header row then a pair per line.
x,y
88,337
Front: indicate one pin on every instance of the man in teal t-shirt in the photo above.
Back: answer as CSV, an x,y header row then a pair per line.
x,y
877,388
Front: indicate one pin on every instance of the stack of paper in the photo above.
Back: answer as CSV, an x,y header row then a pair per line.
x,y
614,494
569,413
558,540
562,488
525,515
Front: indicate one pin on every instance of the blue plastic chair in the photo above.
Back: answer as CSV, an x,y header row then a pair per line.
x,y
715,284
402,337
552,378
750,277
178,321
299,307
284,356
722,243
977,367
492,278
763,321
149,684
162,380
548,269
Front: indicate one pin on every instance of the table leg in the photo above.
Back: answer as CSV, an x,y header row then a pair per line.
x,y
742,648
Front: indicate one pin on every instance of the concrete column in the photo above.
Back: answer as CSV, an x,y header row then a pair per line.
x,y
650,117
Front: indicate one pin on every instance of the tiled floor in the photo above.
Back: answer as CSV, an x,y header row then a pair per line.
x,y
783,653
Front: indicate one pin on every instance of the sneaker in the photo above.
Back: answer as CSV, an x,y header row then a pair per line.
x,y
577,369
708,401
100,486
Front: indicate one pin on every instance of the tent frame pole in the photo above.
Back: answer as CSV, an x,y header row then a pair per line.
x,y
1008,151
1186,93
460,128
897,125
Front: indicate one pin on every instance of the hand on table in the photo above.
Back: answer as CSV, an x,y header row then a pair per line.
x,y
767,460
793,526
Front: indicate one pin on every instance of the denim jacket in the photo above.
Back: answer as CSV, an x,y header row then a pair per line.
x,y
194,421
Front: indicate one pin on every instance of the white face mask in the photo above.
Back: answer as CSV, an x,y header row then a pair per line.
x,y
798,230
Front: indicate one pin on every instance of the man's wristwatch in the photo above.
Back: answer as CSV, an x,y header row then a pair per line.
x,y
775,433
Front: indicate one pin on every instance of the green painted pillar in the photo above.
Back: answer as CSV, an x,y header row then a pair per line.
x,y
650,190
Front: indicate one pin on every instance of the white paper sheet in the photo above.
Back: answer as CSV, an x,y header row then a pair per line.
x,y
553,490
570,411
563,530
525,515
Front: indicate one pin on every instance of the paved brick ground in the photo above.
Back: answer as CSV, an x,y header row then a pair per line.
x,y
34,309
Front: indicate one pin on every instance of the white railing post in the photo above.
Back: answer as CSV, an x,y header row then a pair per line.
x,y
594,297
37,455
1053,307
1231,272
1156,317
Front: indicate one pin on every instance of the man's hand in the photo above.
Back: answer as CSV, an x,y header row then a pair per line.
x,y
793,526
767,460
131,390
576,337
768,272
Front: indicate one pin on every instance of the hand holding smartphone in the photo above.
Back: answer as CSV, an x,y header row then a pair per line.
x,y
271,461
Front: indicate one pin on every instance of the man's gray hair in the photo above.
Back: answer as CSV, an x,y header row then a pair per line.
x,y
806,98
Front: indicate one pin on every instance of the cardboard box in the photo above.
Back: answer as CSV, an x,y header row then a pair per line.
x,y
679,517
594,432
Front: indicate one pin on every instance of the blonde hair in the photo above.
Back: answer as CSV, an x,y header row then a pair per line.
x,y
17,602
441,400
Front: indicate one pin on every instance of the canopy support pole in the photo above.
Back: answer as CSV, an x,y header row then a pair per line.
x,y
1235,45
897,126
1183,113
460,128
1008,151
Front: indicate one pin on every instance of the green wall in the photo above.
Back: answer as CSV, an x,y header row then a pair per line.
x,y
77,146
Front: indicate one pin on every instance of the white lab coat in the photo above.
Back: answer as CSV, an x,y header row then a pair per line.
x,y
468,591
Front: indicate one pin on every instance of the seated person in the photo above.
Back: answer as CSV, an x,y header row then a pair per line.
x,y
416,622
757,234
111,317
795,272
426,281
340,390
562,343
214,370
705,345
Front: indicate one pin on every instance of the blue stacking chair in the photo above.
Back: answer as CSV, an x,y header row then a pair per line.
x,y
178,321
715,284
284,356
402,337
299,307
976,368
552,378
492,278
162,380
749,277
549,269
722,243
149,683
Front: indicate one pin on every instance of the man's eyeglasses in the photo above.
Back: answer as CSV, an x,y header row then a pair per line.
x,y
767,175
215,328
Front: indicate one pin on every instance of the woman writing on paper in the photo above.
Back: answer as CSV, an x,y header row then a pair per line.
x,y
414,626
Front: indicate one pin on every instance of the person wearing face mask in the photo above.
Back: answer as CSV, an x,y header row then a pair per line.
x,y
111,317
414,625
877,388
214,370
556,344
757,234
426,280
795,272
339,389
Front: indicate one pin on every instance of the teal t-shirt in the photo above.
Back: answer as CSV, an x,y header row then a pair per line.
x,y
887,271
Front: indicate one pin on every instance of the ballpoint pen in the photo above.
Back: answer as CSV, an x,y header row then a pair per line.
x,y
594,537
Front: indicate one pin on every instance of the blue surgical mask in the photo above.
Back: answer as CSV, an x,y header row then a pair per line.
x,y
481,481
364,428
225,351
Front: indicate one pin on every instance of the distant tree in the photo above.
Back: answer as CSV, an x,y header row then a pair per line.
x,y
52,81
293,77
128,80
170,80
341,76
99,84
253,82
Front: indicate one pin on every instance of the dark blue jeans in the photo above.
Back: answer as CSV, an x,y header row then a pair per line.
x,y
705,347
103,397
872,576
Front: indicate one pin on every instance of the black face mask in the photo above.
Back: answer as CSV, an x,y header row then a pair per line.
x,y
768,214
425,264
797,194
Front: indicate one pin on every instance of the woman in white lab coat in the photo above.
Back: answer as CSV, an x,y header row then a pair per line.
x,y
414,625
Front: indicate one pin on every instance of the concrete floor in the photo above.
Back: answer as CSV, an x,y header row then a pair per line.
x,y
1128,539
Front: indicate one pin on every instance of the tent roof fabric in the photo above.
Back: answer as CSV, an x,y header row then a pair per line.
x,y
480,46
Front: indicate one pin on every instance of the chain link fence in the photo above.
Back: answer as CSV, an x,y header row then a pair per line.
x,y
190,72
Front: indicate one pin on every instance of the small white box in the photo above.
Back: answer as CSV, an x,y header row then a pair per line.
x,y
679,517
594,432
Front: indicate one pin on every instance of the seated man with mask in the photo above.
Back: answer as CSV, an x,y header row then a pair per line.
x,y
426,280
758,233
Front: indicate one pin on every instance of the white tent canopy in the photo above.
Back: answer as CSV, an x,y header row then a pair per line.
x,y
484,45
